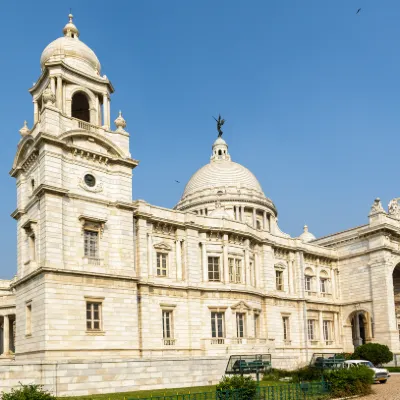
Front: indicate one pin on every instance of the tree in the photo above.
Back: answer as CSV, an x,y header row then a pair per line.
x,y
377,353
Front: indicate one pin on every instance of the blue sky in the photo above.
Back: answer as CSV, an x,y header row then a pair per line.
x,y
309,89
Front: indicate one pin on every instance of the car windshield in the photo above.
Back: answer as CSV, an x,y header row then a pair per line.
x,y
368,364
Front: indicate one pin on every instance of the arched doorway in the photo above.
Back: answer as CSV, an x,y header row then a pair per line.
x,y
396,290
360,328
80,107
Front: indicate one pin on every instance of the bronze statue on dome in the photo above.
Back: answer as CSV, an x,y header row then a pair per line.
x,y
220,122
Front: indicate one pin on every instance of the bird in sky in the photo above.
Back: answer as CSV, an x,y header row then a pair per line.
x,y
177,181
358,10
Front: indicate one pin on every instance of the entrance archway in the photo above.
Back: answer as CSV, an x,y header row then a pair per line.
x,y
360,328
396,290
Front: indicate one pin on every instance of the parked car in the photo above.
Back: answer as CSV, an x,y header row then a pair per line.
x,y
381,374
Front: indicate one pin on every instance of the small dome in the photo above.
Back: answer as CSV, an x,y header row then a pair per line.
x,y
306,236
71,51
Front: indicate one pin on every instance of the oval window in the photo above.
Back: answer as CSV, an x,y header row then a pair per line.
x,y
90,180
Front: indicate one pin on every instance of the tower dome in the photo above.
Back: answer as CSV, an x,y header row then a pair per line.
x,y
227,183
72,51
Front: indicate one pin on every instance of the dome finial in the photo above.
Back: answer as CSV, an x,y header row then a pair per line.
x,y
120,123
24,130
70,30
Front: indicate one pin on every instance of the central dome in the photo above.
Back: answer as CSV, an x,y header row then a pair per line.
x,y
224,183
222,173
71,51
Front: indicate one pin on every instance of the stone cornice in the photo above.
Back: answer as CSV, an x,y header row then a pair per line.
x,y
72,70
42,189
18,213
44,270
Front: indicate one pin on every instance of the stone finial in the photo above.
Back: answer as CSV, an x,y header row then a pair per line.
x,y
24,131
48,96
393,208
305,228
120,123
70,30
376,207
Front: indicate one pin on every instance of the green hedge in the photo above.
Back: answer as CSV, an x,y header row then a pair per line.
x,y
28,392
245,386
350,382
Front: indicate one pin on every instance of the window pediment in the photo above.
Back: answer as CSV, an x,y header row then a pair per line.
x,y
241,307
162,246
280,266
92,223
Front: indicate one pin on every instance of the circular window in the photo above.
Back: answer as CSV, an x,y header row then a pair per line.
x,y
90,180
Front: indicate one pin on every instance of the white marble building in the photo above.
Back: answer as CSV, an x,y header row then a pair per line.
x,y
113,294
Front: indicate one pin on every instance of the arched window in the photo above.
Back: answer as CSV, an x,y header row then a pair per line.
x,y
80,107
323,282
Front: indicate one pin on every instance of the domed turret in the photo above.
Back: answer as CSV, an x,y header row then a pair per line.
x,y
306,236
71,51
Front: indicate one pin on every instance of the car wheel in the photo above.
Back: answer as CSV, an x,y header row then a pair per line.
x,y
384,381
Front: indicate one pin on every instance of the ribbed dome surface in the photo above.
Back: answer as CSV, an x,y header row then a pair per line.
x,y
221,173
73,52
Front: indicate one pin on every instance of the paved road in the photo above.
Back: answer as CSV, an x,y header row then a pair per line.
x,y
388,391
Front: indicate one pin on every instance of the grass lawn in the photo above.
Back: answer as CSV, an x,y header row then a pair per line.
x,y
154,393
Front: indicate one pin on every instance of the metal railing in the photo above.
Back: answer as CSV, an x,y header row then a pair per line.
x,y
293,391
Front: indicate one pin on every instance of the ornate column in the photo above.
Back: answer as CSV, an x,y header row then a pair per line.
x,y
335,329
225,259
290,273
241,213
6,335
254,218
204,261
321,328
106,111
257,282
333,284
178,256
59,93
150,255
247,261
357,338
265,221
53,84
35,112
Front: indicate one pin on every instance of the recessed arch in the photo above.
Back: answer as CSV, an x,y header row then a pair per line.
x,y
98,138
80,107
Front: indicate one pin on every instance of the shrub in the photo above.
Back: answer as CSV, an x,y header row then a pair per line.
x,y
298,375
28,392
346,356
350,382
374,352
246,386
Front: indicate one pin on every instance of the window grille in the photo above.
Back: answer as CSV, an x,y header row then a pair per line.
x,y
91,243
286,328
167,324
307,283
240,317
93,316
213,269
162,264
279,279
217,325
311,329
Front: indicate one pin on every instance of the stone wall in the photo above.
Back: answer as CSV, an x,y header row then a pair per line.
x,y
83,378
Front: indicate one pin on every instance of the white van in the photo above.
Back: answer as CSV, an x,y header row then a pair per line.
x,y
381,374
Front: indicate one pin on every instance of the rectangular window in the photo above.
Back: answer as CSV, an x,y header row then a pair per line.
x,y
213,269
167,324
256,325
162,264
311,329
286,328
279,279
327,330
238,265
28,330
217,325
91,243
93,316
307,283
32,247
240,317
231,270
323,285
